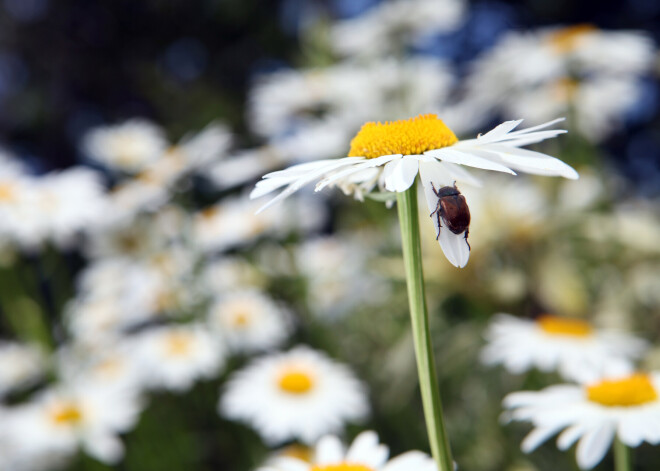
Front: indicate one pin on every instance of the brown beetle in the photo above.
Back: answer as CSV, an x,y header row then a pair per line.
x,y
452,209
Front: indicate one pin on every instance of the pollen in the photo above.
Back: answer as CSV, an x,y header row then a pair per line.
x,y
634,390
296,381
565,40
412,136
66,414
556,325
341,467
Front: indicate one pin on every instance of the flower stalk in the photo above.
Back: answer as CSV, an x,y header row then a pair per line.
x,y
428,382
622,458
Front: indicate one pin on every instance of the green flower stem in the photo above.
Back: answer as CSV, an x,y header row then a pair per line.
x,y
428,382
622,461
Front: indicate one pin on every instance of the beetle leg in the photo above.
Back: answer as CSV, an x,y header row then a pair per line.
x,y
437,208
434,190
439,226
467,231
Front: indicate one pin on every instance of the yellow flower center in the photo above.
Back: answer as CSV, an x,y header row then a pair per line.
x,y
240,319
295,381
565,89
562,326
412,136
6,192
301,452
341,467
66,414
178,343
565,40
634,390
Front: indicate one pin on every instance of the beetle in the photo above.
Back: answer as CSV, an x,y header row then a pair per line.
x,y
452,209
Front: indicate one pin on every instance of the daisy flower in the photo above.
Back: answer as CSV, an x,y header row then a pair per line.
x,y
578,69
364,454
174,357
70,202
301,394
385,28
249,320
69,416
573,347
389,156
626,407
128,147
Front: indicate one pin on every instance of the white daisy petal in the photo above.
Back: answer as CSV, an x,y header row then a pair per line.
x,y
362,446
460,174
465,157
534,129
593,446
455,247
538,436
569,436
347,173
532,162
402,174
329,450
433,176
292,177
631,430
500,131
365,451
411,460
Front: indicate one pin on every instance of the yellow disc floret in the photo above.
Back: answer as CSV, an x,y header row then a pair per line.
x,y
412,136
178,343
66,414
7,192
341,467
562,326
634,390
295,381
565,40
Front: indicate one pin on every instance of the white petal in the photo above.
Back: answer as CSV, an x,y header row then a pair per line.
x,y
402,174
569,436
104,447
302,181
408,461
537,127
537,436
455,247
365,449
498,132
432,175
329,450
631,430
458,173
465,157
286,463
535,137
532,162
354,169
593,445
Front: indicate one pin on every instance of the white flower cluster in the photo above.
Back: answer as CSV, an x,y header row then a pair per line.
x,y
592,75
161,303
54,208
